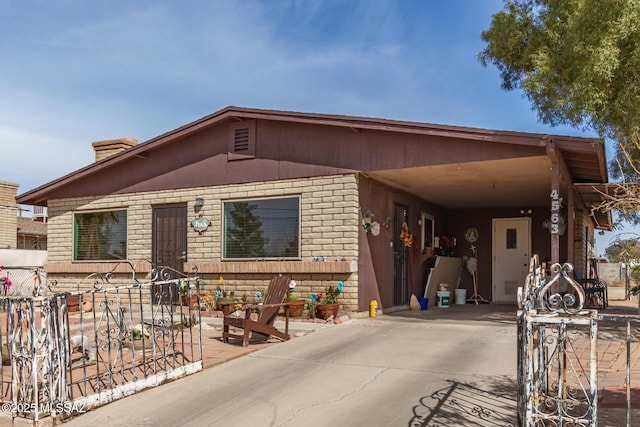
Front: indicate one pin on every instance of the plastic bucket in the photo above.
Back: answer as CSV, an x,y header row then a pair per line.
x,y
461,296
443,299
424,303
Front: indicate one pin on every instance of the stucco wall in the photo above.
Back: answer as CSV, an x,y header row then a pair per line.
x,y
376,262
329,228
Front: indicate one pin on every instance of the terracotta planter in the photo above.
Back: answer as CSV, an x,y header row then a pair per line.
x,y
324,311
190,301
296,308
73,304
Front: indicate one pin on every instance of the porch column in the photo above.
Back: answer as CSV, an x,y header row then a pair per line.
x,y
571,220
556,200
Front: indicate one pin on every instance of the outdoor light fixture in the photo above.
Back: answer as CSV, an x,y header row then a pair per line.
x,y
199,202
526,212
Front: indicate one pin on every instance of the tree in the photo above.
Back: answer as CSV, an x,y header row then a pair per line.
x,y
578,62
244,237
623,250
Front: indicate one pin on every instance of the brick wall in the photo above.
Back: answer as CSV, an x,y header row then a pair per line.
x,y
329,228
8,215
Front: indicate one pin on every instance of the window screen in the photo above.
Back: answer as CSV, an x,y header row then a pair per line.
x,y
100,236
262,228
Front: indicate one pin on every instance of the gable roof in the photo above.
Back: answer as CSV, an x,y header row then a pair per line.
x,y
583,158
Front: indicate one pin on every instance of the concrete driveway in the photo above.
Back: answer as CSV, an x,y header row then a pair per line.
x,y
436,367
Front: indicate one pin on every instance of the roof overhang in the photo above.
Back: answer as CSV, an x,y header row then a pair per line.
x,y
593,196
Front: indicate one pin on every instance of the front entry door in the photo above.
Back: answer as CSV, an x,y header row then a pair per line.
x,y
169,246
400,265
511,253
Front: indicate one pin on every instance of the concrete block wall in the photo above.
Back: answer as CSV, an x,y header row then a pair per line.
x,y
8,215
329,228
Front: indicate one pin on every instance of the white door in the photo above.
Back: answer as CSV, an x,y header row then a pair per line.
x,y
511,253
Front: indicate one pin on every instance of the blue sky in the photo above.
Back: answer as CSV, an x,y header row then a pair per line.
x,y
73,72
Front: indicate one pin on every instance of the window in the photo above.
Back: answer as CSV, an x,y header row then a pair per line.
x,y
100,236
427,231
262,228
512,238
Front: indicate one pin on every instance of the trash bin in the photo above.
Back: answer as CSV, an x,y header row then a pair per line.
x,y
461,296
443,299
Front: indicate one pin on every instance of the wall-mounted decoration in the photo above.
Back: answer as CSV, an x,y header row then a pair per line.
x,y
367,218
471,235
406,236
375,228
387,223
200,224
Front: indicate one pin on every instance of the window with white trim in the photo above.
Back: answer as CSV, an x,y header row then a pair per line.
x,y
427,230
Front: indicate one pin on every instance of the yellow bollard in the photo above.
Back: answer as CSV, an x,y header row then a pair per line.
x,y
373,305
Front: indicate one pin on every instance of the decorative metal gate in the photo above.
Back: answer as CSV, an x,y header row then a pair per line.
x,y
558,351
68,352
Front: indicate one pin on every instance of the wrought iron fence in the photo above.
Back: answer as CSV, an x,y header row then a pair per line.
x,y
65,353
558,352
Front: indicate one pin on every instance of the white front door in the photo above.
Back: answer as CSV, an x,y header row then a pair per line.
x,y
511,253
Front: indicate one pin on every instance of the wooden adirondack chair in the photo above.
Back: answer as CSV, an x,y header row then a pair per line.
x,y
263,326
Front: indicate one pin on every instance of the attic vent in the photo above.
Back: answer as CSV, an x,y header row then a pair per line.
x,y
242,140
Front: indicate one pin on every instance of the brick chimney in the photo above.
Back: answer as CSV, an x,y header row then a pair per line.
x,y
110,147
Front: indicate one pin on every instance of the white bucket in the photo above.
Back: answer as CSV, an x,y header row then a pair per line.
x,y
461,296
443,299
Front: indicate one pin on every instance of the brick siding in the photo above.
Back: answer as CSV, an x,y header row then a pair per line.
x,y
329,228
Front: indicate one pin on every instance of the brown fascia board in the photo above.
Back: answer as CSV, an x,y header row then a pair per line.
x,y
38,196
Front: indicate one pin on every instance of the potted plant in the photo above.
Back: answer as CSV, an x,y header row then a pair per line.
x,y
188,292
327,304
296,308
208,303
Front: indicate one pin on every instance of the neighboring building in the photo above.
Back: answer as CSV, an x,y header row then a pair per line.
x,y
18,232
8,215
248,193
32,234
16,236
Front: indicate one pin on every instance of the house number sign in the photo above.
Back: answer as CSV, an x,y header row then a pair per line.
x,y
200,224
555,212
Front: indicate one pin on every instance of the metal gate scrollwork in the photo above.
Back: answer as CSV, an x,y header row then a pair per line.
x,y
557,350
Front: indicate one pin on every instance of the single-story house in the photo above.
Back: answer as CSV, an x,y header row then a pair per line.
x,y
249,193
